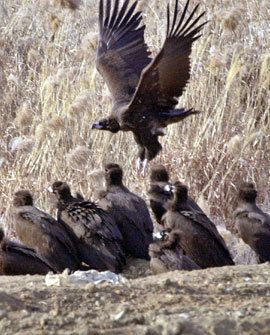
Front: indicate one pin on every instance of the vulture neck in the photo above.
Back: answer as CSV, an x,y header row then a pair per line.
x,y
179,201
64,200
113,184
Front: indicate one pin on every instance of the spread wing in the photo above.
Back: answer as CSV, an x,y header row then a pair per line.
x,y
166,77
122,53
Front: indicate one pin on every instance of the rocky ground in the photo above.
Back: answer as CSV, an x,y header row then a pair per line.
x,y
223,301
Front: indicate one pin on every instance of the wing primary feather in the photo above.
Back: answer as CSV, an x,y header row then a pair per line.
x,y
131,44
101,17
106,27
179,26
119,31
174,16
185,27
125,20
114,14
121,14
195,31
182,16
132,25
181,19
108,13
168,19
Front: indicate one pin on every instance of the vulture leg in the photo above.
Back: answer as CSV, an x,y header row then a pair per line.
x,y
139,163
145,168
141,154
149,147
152,146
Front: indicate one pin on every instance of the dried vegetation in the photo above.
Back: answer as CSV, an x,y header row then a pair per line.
x,y
51,94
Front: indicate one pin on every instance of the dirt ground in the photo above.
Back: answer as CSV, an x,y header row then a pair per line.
x,y
223,301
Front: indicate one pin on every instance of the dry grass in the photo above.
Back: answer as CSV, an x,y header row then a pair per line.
x,y
51,94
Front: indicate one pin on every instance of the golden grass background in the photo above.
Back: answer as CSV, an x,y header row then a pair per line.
x,y
51,94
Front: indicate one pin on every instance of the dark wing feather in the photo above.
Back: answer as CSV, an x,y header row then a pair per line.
x,y
262,244
130,207
11,246
133,219
96,229
167,75
202,220
122,52
50,227
96,219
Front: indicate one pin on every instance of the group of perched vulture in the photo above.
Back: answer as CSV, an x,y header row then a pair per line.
x,y
87,235
100,236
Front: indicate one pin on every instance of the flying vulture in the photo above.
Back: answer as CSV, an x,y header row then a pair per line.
x,y
18,259
199,237
40,231
252,223
129,211
99,239
167,255
144,90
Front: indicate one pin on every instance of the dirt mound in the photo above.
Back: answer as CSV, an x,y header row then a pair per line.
x,y
228,300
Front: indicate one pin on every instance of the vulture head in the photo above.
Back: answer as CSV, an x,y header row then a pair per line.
x,y
22,198
159,174
109,124
247,192
61,190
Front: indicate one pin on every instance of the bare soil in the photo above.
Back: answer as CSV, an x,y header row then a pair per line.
x,y
223,301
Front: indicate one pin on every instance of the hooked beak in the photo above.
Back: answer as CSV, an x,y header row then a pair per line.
x,y
50,189
97,125
169,188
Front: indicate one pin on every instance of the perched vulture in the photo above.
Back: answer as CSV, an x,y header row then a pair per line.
x,y
144,90
199,237
129,211
252,223
100,241
161,191
18,259
40,231
168,255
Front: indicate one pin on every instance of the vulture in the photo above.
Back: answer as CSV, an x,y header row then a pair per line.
x,y
40,231
199,237
252,223
167,255
129,211
18,259
99,239
161,191
144,91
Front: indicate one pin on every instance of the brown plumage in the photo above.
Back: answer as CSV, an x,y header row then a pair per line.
x,y
129,211
100,241
167,255
144,91
40,231
252,223
18,259
161,191
199,238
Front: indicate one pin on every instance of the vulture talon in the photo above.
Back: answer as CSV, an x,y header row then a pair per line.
x,y
145,166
